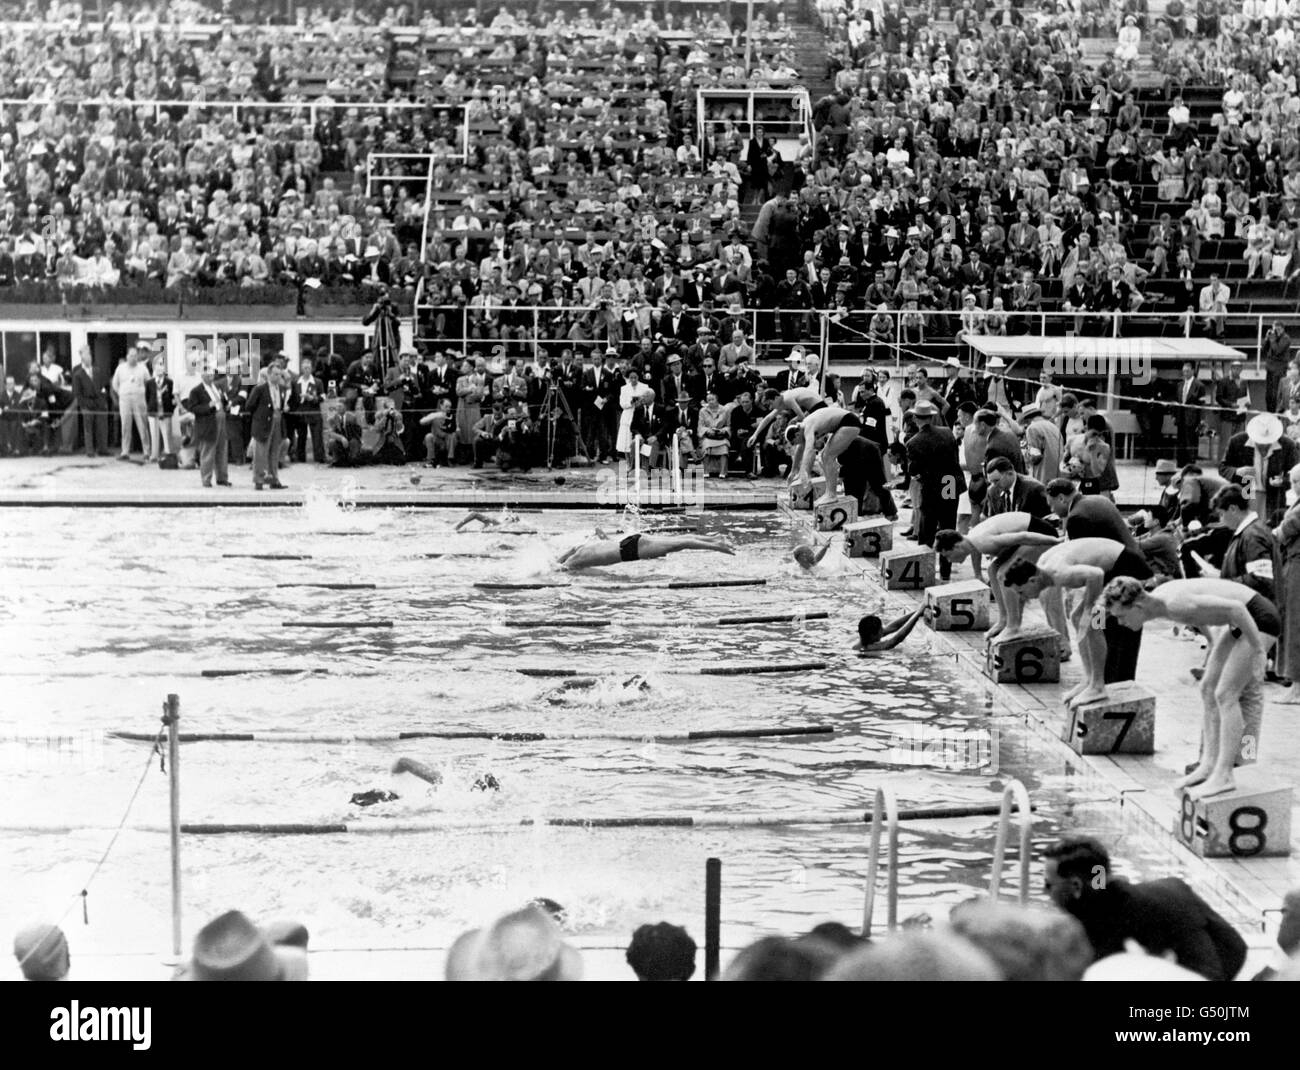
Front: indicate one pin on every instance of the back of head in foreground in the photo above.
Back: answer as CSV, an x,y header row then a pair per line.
x,y
662,952
525,945
940,955
1028,943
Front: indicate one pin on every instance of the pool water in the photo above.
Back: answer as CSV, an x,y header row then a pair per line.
x,y
105,612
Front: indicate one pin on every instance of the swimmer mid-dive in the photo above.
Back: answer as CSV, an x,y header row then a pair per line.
x,y
482,782
875,636
489,521
637,547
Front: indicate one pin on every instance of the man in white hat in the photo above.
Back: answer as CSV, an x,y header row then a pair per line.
x,y
1258,460
795,374
956,389
995,387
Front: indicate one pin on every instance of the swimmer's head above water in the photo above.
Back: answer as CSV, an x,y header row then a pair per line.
x,y
870,628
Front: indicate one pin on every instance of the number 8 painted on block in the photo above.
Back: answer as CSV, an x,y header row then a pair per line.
x,y
1255,831
1187,820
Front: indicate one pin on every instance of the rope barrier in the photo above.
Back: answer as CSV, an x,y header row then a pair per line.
x,y
336,624
675,585
330,586
649,736
757,819
269,557
716,622
700,670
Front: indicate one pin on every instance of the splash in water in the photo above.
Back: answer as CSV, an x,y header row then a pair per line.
x,y
325,511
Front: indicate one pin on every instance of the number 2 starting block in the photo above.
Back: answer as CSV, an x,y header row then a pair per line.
x,y
909,569
868,538
1034,657
1122,723
958,607
834,514
1251,821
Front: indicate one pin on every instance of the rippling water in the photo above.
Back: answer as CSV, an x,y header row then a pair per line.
x,y
105,612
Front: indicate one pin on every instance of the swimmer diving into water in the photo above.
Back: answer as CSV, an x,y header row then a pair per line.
x,y
638,547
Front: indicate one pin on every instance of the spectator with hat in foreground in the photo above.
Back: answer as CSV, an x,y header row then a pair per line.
x,y
1259,460
42,953
232,948
525,945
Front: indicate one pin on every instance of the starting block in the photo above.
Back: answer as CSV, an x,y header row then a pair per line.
x,y
1124,723
959,607
834,514
910,569
1031,658
868,538
802,496
1251,821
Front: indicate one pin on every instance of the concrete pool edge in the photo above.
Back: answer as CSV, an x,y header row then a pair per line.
x,y
1141,812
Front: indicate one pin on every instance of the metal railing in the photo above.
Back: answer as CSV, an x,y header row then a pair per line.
x,y
1015,793
884,815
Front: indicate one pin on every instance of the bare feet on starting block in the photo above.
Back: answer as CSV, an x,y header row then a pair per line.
x,y
1216,785
1011,633
1072,692
1089,694
1197,776
993,633
825,499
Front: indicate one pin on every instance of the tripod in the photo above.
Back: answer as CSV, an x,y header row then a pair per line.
x,y
554,407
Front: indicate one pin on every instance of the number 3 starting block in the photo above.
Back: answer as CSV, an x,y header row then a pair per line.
x,y
868,538
1251,821
1033,657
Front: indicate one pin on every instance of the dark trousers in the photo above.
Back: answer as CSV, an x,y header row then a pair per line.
x,y
1211,545
1188,442
937,514
1122,648
94,429
11,433
304,424
596,432
484,449
237,440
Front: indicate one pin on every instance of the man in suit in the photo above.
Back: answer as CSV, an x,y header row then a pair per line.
x,y
932,462
675,383
1259,460
678,323
992,442
441,380
794,376
266,406
601,384
1011,491
208,403
1161,915
92,405
1042,443
874,414
955,389
304,413
1188,415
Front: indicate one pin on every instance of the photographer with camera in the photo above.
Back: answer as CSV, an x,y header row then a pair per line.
x,y
361,382
515,439
384,343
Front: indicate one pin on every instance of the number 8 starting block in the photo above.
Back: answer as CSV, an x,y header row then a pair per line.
x,y
1251,821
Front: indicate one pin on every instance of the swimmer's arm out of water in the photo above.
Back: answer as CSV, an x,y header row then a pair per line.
x,y
419,769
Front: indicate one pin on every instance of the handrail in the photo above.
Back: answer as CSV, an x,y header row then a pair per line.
x,y
636,468
886,805
1014,791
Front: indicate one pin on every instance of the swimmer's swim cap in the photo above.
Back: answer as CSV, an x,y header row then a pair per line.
x,y
869,629
804,555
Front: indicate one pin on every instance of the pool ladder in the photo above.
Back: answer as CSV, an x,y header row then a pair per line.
x,y
884,818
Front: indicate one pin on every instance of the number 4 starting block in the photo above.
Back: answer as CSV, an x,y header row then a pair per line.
x,y
1251,821
909,569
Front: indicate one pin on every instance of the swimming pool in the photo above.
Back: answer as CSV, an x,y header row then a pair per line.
x,y
107,611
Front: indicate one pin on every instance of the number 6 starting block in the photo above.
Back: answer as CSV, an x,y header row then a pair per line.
x,y
1251,821
834,514
868,538
1033,657
958,607
910,569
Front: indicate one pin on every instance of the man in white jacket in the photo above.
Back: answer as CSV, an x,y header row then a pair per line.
x,y
128,387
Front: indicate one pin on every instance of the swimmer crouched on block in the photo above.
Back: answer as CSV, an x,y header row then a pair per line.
x,y
604,551
875,636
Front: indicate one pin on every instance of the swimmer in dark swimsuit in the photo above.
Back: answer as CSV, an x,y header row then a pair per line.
x,y
638,548
1080,563
875,636
1243,625
838,428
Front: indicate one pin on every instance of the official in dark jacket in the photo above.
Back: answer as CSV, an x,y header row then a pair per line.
x,y
92,405
932,461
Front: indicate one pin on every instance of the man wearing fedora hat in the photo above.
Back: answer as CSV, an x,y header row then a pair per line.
x,y
1259,460
232,948
956,389
1165,472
